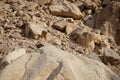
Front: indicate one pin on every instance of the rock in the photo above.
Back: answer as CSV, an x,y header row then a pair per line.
x,y
66,10
33,5
108,17
13,1
1,31
35,30
110,56
4,49
42,2
78,3
107,29
116,37
91,4
71,27
2,14
105,2
17,69
88,12
15,35
86,37
107,21
54,64
13,56
19,23
93,56
49,37
60,25
111,53
87,17
86,40
75,34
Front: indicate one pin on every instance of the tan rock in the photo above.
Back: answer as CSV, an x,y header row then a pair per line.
x,y
42,2
60,25
2,14
91,4
110,57
71,27
66,10
35,30
88,12
49,37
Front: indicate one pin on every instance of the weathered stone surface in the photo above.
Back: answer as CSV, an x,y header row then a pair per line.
x,y
42,2
83,37
13,56
71,27
111,53
66,10
35,29
107,20
74,35
60,25
110,56
54,64
91,4
109,14
2,14
13,1
93,56
17,69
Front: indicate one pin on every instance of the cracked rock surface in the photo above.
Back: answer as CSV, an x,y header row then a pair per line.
x,y
59,40
52,63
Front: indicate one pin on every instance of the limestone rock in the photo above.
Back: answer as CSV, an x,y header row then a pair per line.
x,y
60,25
111,53
66,10
13,56
35,30
54,64
110,56
71,27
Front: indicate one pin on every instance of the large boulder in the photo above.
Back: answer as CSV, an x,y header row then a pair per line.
x,y
54,64
66,10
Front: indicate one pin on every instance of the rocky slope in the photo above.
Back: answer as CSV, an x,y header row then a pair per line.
x,y
59,39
